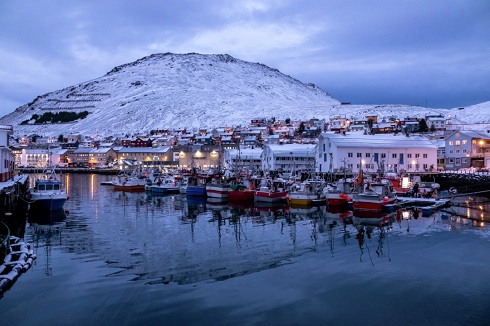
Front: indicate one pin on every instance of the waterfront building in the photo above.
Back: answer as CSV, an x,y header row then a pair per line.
x,y
147,156
6,156
244,159
102,156
465,149
373,153
289,158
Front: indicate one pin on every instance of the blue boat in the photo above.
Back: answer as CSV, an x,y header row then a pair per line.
x,y
196,186
48,194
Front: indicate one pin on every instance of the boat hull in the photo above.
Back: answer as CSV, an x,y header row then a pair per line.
x,y
47,204
133,188
217,191
164,190
371,205
196,191
270,197
235,196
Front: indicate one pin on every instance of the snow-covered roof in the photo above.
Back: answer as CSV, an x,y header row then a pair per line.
x,y
378,140
83,150
101,150
161,149
293,150
474,134
246,153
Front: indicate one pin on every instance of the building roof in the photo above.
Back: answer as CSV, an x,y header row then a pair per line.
x,y
246,153
293,150
83,150
378,140
161,149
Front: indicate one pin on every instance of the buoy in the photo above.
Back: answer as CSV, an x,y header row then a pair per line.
x,y
386,199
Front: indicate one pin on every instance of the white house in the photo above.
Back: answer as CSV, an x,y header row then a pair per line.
x,y
289,158
7,159
386,152
245,159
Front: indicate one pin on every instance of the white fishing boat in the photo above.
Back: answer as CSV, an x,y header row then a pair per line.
x,y
48,193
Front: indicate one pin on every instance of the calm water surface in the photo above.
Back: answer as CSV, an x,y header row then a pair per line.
x,y
130,259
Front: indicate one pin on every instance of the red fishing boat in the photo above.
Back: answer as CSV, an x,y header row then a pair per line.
x,y
374,196
271,191
240,193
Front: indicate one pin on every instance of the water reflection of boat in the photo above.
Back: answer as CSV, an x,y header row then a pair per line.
x,y
269,207
216,203
241,205
372,218
50,218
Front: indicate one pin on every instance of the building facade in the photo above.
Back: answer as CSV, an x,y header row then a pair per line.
x,y
375,153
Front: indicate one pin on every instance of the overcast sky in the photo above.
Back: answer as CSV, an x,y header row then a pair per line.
x,y
434,52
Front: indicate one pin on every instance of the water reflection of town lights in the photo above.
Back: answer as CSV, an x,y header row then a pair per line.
x,y
92,178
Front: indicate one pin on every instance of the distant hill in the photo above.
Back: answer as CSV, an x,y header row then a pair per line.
x,y
165,91
176,90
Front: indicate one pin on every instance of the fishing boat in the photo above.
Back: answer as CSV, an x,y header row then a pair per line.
x,y
239,193
339,193
217,188
196,185
48,194
307,192
129,182
271,190
374,196
166,185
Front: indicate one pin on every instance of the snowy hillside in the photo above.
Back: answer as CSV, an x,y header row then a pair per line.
x,y
177,90
165,91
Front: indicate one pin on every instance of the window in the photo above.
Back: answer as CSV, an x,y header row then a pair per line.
x,y
383,155
464,142
424,155
464,160
451,143
368,154
417,155
458,143
409,155
350,154
359,154
409,166
393,155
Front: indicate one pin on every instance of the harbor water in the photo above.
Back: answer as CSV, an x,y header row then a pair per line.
x,y
120,258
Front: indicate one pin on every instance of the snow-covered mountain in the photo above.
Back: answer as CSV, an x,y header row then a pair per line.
x,y
167,91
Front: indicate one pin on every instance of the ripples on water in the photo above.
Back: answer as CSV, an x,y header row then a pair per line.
x,y
247,265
